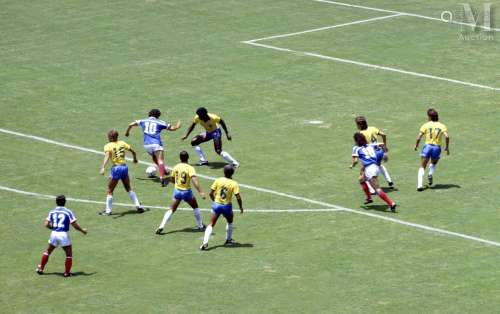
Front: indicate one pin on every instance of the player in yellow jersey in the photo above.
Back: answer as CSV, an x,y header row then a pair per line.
x,y
221,193
433,132
210,122
182,176
115,152
372,134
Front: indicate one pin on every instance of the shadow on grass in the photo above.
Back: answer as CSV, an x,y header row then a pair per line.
x,y
235,245
129,212
389,189
445,186
153,179
75,274
380,208
188,230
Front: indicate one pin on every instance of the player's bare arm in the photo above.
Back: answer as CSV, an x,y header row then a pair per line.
x,y
212,195
240,202
134,155
419,137
191,128
48,224
176,127
224,127
77,227
447,141
384,140
107,156
197,186
130,126
354,162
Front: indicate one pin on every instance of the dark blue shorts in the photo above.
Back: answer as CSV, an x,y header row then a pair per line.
x,y
220,209
183,195
212,135
431,151
119,172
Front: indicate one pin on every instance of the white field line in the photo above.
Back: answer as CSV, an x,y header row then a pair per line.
x,y
79,200
307,200
407,14
374,66
323,28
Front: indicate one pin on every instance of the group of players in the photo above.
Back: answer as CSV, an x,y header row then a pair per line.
x,y
367,150
371,153
182,175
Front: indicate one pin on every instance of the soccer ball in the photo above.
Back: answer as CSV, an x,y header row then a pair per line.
x,y
151,171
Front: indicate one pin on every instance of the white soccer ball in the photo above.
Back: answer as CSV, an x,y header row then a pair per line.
x,y
151,171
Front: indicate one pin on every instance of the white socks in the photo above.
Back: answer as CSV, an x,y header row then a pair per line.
x,y
385,173
228,158
166,218
420,177
229,231
200,153
109,203
197,217
208,232
134,199
432,168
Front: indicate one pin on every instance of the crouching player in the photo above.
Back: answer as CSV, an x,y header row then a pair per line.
x,y
370,157
115,151
433,131
221,193
182,176
59,220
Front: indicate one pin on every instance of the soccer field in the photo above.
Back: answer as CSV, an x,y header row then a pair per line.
x,y
72,70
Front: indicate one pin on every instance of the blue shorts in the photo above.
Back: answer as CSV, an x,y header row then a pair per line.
x,y
431,151
183,195
220,209
119,172
212,135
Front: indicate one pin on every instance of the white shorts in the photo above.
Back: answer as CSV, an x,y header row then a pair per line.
x,y
371,171
152,148
59,239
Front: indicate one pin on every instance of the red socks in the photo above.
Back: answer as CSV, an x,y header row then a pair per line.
x,y
67,264
161,169
44,260
365,189
384,197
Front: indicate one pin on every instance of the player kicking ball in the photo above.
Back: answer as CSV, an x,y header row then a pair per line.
x,y
221,193
59,221
210,122
182,176
115,151
151,128
370,158
433,132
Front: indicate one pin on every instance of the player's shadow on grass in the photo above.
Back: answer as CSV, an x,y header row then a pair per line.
x,y
153,179
129,212
188,230
445,186
380,208
216,165
235,245
75,274
389,189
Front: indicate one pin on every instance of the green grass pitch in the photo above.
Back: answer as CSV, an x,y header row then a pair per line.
x,y
71,70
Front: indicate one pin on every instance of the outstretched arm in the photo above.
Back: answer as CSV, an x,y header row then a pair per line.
x,y
419,137
240,202
77,227
447,139
224,127
354,162
191,128
176,127
212,195
134,155
130,126
107,156
384,140
196,184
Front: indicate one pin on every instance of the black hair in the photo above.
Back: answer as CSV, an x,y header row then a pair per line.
x,y
202,112
184,156
61,200
154,113
228,171
361,122
360,139
113,135
433,114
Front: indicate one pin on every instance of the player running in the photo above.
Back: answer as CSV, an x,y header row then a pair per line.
x,y
59,220
433,131
115,151
371,134
370,158
210,122
182,176
221,193
151,128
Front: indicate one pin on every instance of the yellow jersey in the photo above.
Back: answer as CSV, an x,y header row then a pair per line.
x,y
211,125
224,190
182,174
433,132
371,134
117,150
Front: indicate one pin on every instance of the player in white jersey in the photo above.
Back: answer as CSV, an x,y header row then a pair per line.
x,y
59,221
